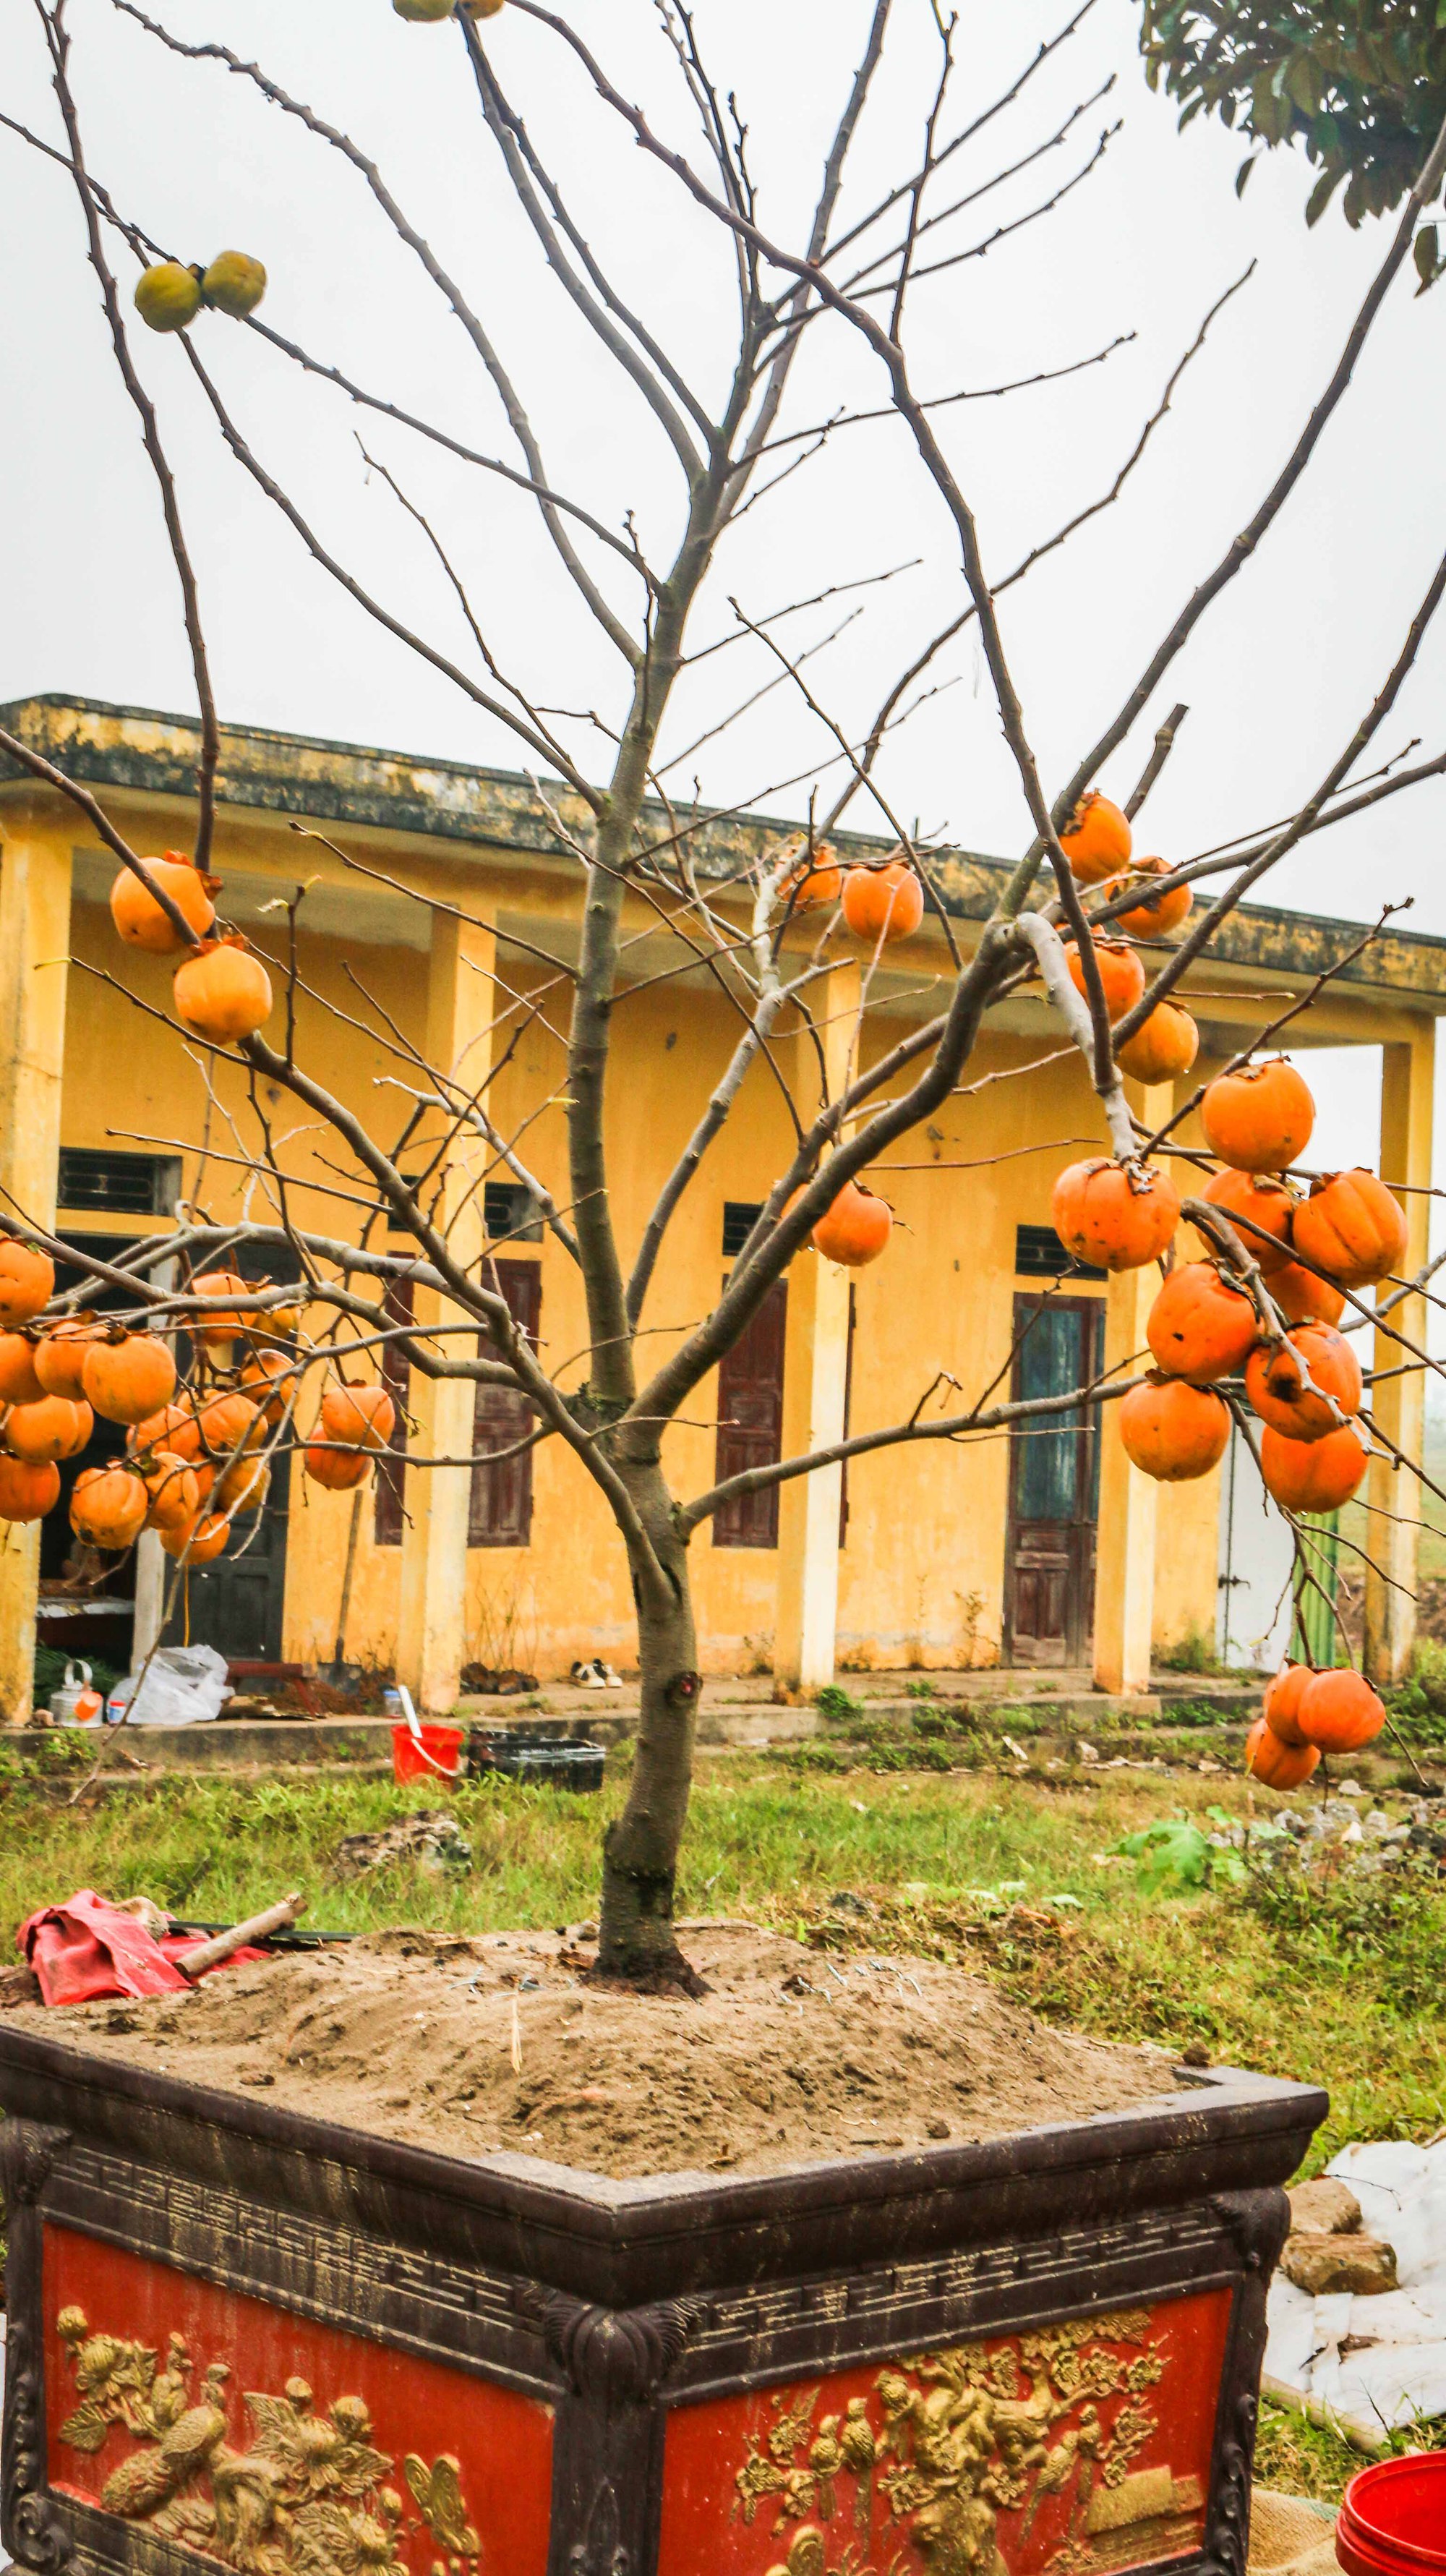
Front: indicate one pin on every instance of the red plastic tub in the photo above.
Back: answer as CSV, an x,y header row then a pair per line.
x,y
1393,2520
432,1750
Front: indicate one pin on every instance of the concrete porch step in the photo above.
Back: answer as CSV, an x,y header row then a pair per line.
x,y
365,1743
733,1717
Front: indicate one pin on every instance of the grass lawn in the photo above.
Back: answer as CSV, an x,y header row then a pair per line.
x,y
1010,1876
962,1865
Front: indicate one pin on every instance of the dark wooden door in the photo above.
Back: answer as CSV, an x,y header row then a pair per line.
x,y
1054,1484
501,1508
58,1545
237,1605
70,1573
750,1423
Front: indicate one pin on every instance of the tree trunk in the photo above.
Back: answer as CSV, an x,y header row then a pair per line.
x,y
636,1939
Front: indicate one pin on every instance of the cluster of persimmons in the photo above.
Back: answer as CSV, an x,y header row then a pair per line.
x,y
192,1464
1268,1311
1306,1713
221,990
883,903
1098,844
1213,1320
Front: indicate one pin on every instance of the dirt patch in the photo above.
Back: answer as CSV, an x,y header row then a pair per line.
x,y
474,2046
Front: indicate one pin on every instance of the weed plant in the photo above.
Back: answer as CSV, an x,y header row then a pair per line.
x,y
1192,1653
1419,1705
1389,1923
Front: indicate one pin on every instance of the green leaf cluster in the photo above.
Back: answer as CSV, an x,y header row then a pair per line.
x,y
1361,84
1175,1853
1419,1703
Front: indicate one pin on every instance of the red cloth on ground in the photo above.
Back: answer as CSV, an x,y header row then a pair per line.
x,y
87,1948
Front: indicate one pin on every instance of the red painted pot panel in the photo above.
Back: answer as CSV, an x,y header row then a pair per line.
x,y
1071,2449
278,2446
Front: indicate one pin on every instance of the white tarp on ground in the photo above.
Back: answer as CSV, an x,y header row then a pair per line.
x,y
1379,2362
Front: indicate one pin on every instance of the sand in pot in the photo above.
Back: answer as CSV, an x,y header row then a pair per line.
x,y
470,2047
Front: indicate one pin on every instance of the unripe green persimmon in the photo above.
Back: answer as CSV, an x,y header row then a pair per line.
x,y
234,283
168,296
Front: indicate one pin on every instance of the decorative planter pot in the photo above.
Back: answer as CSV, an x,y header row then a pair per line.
x,y
243,2336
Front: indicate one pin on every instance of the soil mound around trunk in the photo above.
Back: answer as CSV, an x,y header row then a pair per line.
x,y
475,2047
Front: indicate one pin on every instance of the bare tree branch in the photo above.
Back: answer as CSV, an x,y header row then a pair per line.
x,y
863,1444
1195,939
59,44
599,307
1083,1025
347,581
1164,744
1243,546
997,107
447,286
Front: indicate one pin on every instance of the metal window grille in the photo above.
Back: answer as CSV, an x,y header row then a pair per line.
x,y
118,1184
510,1212
739,1220
1039,1254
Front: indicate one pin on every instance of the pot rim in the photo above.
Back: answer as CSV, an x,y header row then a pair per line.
x,y
1239,2103
625,2243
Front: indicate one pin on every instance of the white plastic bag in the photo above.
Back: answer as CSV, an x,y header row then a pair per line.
x,y
183,1685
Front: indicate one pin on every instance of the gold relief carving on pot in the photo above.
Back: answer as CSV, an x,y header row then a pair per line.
x,y
953,2440
438,2491
312,2496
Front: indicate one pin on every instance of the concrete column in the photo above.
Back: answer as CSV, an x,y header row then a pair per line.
x,y
431,1636
150,1596
815,1374
1125,1540
1407,1073
815,1379
34,948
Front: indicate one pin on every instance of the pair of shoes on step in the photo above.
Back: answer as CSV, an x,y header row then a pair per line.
x,y
595,1676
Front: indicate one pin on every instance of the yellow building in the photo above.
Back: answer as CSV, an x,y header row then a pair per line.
x,y
1052,1552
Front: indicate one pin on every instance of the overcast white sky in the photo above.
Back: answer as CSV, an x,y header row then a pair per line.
x,y
1275,679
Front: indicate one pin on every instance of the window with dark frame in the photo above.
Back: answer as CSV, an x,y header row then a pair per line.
x,y
511,1213
740,1216
1039,1254
500,1513
750,1423
398,1306
107,1184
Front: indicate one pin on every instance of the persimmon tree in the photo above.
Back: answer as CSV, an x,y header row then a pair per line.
x,y
827,305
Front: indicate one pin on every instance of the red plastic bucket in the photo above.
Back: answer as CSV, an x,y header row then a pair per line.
x,y
1393,2520
431,1750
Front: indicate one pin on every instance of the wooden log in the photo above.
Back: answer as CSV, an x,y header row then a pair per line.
x,y
275,1919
